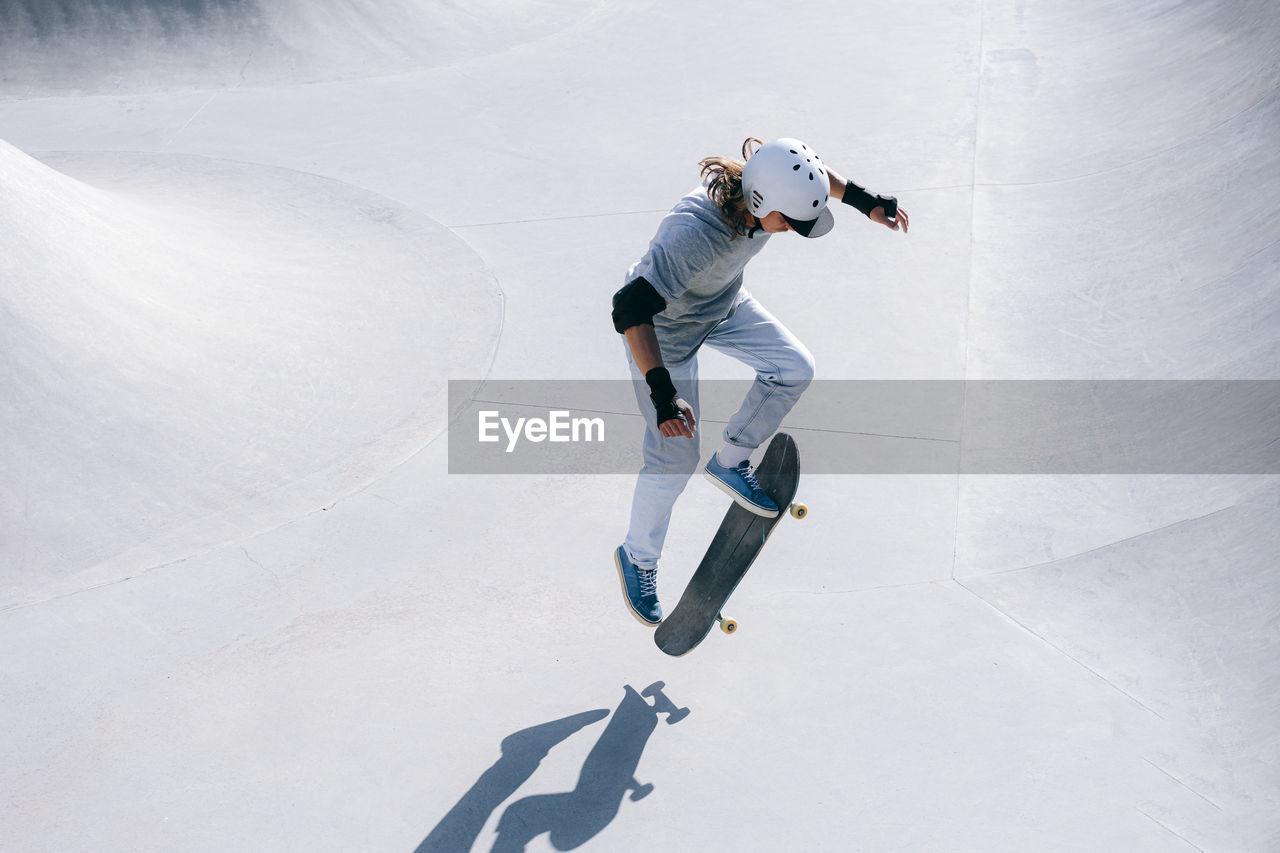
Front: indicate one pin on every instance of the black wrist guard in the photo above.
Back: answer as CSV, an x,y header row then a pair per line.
x,y
663,393
858,198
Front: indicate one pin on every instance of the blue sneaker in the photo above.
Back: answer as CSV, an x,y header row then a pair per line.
x,y
741,485
640,588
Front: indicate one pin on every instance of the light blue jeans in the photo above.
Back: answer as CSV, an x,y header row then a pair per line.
x,y
784,368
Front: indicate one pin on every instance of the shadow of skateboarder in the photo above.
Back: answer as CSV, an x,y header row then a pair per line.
x,y
608,775
522,752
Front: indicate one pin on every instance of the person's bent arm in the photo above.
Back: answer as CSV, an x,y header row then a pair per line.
x,y
878,208
643,341
633,310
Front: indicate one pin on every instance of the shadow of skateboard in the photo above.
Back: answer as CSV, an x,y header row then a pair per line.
x,y
608,777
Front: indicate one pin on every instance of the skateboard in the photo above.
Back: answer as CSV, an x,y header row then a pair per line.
x,y
732,551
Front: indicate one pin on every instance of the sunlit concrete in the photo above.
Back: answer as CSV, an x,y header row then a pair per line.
x,y
244,245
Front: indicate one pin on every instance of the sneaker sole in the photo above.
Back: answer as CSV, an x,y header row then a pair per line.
x,y
737,497
622,579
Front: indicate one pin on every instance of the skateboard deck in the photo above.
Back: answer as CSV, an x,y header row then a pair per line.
x,y
732,551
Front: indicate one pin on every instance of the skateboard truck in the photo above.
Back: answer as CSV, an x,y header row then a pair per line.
x,y
638,791
663,705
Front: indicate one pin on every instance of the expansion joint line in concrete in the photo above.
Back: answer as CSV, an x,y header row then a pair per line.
x,y
968,293
1046,641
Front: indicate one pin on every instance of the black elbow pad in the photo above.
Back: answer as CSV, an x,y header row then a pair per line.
x,y
635,305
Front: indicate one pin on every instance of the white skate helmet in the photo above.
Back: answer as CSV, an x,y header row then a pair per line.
x,y
787,176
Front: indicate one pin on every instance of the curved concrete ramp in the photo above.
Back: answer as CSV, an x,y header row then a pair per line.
x,y
202,353
1181,621
1098,275
1077,89
49,47
188,347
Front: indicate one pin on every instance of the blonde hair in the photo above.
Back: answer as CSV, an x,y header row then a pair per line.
x,y
723,177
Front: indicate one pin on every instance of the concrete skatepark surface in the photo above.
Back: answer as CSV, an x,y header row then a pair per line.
x,y
244,246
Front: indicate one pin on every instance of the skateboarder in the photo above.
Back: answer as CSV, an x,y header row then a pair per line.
x,y
687,291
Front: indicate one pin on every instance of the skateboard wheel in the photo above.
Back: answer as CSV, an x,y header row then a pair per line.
x,y
728,625
799,510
